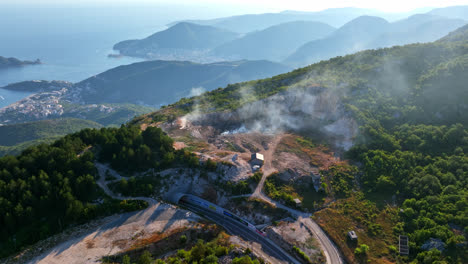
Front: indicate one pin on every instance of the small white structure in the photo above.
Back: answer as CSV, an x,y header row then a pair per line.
x,y
257,159
352,235
298,202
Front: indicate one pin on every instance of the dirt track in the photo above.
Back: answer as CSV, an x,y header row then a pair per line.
x,y
267,166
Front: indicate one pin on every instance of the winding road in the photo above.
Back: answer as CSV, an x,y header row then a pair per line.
x,y
329,248
103,184
275,253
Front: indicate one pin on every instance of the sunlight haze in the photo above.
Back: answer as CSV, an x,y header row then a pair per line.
x,y
256,6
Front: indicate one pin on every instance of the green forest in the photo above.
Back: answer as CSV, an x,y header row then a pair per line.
x,y
410,103
16,137
50,187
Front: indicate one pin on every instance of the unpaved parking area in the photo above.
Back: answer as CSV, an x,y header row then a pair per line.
x,y
119,234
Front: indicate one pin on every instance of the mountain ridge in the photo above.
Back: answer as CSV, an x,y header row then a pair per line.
x,y
361,34
275,42
185,39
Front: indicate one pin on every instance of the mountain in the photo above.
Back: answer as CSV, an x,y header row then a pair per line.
x,y
116,96
460,12
273,43
16,137
370,33
351,37
400,113
335,17
37,86
417,28
459,35
162,82
181,40
14,62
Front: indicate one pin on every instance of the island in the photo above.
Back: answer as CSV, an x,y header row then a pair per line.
x,y
14,62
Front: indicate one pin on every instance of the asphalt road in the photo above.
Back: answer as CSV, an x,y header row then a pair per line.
x,y
243,231
330,250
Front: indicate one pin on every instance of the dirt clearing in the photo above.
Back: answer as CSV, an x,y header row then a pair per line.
x,y
119,234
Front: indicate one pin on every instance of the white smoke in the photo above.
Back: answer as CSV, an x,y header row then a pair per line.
x,y
304,106
197,91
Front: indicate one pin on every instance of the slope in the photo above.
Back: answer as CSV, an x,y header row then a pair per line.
x,y
409,103
461,34
335,17
460,12
417,28
180,38
273,43
370,33
161,82
14,138
351,37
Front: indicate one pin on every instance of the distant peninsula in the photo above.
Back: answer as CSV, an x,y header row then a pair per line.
x,y
38,86
14,62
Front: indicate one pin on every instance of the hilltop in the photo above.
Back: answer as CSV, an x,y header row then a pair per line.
x,y
273,43
160,82
117,95
335,17
185,41
396,113
372,32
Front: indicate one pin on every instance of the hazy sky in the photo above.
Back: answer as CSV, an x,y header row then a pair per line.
x,y
275,5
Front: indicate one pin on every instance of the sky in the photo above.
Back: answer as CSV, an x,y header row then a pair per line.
x,y
271,5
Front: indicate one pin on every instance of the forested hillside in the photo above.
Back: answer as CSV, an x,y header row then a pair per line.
x,y
50,187
410,102
159,82
410,156
14,138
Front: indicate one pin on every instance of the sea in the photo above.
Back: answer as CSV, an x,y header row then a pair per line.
x,y
74,41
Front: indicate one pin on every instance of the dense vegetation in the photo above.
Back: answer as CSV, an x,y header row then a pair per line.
x,y
18,133
410,103
136,83
115,115
49,187
143,185
200,252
